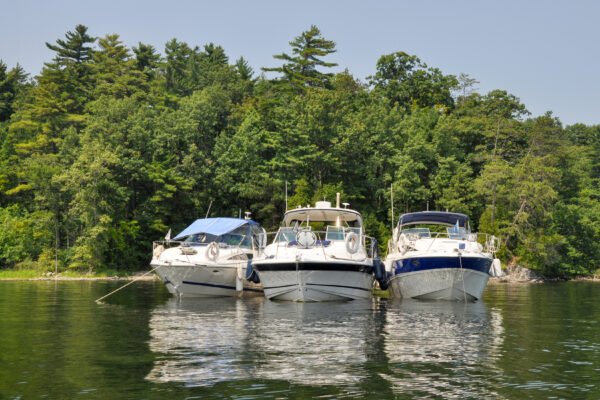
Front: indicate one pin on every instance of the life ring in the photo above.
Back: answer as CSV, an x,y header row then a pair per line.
x,y
352,243
306,239
212,251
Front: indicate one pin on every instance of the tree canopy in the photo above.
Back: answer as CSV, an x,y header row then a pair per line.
x,y
110,146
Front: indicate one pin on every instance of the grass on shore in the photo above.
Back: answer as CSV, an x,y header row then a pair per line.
x,y
12,274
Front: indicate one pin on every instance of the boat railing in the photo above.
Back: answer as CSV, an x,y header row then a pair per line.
x,y
407,239
188,248
307,238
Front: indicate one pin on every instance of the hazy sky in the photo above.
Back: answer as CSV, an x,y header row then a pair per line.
x,y
544,52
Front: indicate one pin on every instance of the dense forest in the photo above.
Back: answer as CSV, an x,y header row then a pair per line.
x,y
109,147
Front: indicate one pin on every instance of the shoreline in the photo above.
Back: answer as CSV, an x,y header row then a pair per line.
x,y
513,274
136,276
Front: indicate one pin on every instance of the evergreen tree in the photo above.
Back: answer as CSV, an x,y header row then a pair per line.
x,y
10,84
147,59
115,72
243,68
75,49
300,69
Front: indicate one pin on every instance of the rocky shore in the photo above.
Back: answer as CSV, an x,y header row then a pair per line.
x,y
518,274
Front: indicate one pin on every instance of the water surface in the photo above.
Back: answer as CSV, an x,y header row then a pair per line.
x,y
521,341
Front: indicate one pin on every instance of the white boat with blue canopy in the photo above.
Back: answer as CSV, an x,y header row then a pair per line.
x,y
209,258
426,262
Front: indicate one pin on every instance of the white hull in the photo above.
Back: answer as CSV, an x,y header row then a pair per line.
x,y
440,284
307,284
206,280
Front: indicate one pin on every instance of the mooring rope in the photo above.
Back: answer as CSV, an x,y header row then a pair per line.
x,y
127,284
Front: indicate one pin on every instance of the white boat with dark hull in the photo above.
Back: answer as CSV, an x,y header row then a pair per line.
x,y
209,258
319,254
449,265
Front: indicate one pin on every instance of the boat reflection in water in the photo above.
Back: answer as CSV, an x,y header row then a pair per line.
x,y
200,342
442,348
364,347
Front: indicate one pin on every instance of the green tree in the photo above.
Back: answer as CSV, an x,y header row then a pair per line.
x,y
70,68
115,72
243,68
11,82
146,59
300,69
405,80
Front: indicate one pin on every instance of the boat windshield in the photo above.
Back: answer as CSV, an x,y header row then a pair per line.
x,y
422,233
237,237
460,233
339,232
288,234
200,238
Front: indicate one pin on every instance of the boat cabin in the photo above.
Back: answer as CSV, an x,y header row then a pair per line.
x,y
333,224
457,225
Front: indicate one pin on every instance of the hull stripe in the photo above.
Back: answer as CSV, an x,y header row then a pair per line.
x,y
209,285
305,266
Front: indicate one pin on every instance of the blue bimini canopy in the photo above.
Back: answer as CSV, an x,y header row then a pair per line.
x,y
213,226
434,218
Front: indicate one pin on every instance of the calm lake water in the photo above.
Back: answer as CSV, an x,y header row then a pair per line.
x,y
521,341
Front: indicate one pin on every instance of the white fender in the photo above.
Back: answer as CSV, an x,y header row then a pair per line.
x,y
496,268
158,251
352,243
239,283
402,244
212,251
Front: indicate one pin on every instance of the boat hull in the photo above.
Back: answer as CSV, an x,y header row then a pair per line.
x,y
205,280
315,281
441,278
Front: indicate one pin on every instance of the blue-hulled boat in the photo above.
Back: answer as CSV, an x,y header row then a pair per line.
x,y
437,265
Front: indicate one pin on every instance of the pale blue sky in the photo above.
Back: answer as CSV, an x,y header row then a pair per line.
x,y
544,52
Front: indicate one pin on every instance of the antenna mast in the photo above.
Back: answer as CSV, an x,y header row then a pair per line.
x,y
285,196
392,197
208,209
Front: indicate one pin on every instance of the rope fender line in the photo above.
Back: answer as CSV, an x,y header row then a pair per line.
x,y
127,284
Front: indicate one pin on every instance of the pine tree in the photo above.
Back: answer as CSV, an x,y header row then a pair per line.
x,y
10,83
75,48
300,70
244,69
147,59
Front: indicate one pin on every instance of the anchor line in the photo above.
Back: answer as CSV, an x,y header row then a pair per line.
x,y
127,284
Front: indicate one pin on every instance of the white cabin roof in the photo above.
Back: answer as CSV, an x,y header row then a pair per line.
x,y
322,214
